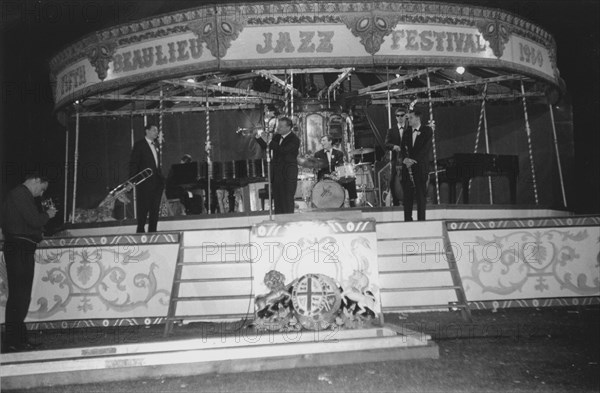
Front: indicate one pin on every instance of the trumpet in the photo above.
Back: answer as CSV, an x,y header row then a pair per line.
x,y
249,131
119,191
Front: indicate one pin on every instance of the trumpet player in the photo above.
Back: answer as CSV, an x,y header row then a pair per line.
x,y
146,154
22,224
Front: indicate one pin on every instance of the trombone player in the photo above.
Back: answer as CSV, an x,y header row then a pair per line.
x,y
146,154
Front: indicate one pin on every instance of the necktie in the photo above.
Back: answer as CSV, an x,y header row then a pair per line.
x,y
414,135
156,153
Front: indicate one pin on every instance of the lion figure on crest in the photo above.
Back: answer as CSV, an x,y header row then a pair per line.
x,y
275,281
355,289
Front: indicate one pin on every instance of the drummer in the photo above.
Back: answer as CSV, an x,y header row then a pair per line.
x,y
334,158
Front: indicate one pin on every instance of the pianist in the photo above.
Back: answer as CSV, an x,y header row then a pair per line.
x,y
190,198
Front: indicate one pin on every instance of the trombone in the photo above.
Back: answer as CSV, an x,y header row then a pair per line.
x,y
119,191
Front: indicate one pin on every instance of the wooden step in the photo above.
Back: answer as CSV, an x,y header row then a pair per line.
x,y
413,289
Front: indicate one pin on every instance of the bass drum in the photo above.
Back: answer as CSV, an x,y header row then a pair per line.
x,y
328,194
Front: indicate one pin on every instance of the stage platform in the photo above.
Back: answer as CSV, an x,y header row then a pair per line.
x,y
105,275
383,214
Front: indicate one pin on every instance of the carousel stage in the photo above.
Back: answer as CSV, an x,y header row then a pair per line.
x,y
105,276
383,214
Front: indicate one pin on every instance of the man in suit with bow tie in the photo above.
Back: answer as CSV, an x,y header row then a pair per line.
x,y
415,152
393,142
284,165
334,158
146,154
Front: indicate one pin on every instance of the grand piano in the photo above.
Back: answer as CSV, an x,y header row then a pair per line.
x,y
462,167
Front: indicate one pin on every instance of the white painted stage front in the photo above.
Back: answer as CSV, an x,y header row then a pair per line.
x,y
100,276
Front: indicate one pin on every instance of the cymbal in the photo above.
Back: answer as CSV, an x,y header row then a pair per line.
x,y
362,150
312,162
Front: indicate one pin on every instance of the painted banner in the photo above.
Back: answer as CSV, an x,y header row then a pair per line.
x,y
527,259
101,278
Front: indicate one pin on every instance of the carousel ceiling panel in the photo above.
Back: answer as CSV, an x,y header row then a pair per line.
x,y
342,53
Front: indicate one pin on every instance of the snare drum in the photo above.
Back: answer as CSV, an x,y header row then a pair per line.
x,y
328,194
345,173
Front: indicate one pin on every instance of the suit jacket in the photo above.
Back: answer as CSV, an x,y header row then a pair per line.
x,y
142,158
337,158
393,138
420,151
284,153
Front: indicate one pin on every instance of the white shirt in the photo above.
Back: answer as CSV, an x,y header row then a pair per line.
x,y
414,134
329,154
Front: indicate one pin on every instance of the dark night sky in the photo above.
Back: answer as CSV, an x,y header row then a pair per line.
x,y
31,32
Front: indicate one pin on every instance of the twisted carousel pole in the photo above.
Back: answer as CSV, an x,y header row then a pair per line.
x,y
291,94
487,150
208,150
66,200
75,162
435,165
529,144
161,135
479,123
388,104
560,174
164,204
132,141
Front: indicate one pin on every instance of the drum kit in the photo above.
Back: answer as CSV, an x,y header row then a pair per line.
x,y
329,192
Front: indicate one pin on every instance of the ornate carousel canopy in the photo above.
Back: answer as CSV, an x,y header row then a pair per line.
x,y
240,55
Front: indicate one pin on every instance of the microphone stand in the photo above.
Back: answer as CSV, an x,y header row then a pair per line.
x,y
269,139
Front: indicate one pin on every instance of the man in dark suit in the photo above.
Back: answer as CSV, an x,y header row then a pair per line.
x,y
416,148
22,224
334,158
393,141
284,165
146,154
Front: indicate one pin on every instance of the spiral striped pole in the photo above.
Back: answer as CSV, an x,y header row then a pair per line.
x,y
75,163
208,149
389,104
160,129
285,94
560,174
292,94
481,112
529,144
487,150
435,165
66,197
132,143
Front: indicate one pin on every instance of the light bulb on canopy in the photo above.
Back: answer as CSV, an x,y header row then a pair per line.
x,y
460,70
